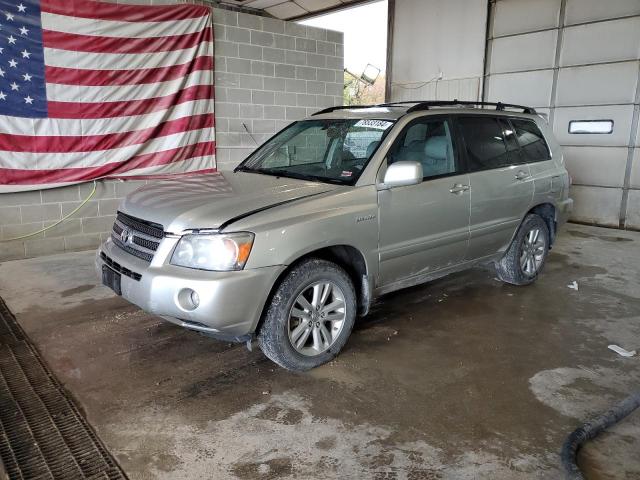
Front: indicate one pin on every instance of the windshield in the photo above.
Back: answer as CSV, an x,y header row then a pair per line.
x,y
334,151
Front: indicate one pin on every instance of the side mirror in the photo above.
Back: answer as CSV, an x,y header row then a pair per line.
x,y
401,174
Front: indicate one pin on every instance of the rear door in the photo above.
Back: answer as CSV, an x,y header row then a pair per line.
x,y
500,182
424,227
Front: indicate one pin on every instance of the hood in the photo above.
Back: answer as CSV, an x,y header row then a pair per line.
x,y
211,200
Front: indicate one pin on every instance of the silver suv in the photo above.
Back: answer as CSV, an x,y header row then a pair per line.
x,y
336,210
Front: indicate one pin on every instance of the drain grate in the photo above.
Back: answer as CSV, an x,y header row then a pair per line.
x,y
42,433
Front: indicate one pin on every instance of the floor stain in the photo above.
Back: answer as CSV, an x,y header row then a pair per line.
x,y
73,291
604,238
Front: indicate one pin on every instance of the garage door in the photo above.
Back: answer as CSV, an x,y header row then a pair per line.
x,y
577,61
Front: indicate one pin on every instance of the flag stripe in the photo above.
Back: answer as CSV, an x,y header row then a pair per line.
x,y
101,126
191,168
70,175
90,143
182,168
96,44
129,13
126,108
123,30
62,93
121,61
74,76
52,161
196,167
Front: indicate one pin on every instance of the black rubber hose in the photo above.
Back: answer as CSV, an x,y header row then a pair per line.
x,y
590,430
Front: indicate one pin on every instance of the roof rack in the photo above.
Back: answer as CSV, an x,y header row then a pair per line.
x,y
426,104
375,105
445,103
347,107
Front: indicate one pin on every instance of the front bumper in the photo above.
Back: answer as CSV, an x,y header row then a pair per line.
x,y
230,304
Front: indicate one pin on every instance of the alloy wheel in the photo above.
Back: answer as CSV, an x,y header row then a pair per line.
x,y
316,318
533,252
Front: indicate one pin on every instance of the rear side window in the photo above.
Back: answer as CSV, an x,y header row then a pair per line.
x,y
486,147
511,142
534,147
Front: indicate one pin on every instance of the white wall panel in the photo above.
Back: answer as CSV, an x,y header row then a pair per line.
x,y
433,36
602,84
526,88
596,205
596,165
596,79
620,114
519,16
612,41
523,52
633,210
635,169
462,89
578,11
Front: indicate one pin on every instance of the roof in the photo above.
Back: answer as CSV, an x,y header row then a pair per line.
x,y
380,113
393,111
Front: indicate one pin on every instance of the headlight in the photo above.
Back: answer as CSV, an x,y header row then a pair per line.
x,y
220,252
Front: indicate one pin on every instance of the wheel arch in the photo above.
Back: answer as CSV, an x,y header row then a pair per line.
x,y
547,212
346,256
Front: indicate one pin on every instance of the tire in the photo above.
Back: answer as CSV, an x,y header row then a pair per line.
x,y
514,268
286,319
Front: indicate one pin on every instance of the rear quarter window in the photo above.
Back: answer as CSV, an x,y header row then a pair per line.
x,y
534,146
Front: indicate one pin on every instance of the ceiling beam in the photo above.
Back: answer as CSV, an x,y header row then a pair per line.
x,y
335,8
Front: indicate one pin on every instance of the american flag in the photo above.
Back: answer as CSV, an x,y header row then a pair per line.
x,y
92,90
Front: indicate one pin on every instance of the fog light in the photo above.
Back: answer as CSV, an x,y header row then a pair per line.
x,y
195,298
188,299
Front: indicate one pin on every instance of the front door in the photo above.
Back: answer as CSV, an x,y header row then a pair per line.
x,y
424,227
501,184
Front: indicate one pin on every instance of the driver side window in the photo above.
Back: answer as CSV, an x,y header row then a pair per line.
x,y
428,142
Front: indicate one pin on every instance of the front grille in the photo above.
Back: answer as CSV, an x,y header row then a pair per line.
x,y
141,238
142,226
119,268
143,242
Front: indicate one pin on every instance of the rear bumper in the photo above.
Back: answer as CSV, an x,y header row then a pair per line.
x,y
563,211
230,303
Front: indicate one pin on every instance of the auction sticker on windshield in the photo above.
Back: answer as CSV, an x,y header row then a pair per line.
x,y
377,124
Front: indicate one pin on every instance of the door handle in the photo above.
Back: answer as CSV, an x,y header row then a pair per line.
x,y
459,188
522,175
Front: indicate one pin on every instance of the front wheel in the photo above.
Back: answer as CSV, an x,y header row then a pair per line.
x,y
527,253
310,317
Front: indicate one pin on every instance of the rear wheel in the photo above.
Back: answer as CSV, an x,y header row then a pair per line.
x,y
310,317
527,254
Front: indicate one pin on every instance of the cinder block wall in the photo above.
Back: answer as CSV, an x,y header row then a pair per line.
x,y
268,73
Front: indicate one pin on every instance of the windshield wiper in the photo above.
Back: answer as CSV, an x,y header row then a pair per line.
x,y
287,174
303,176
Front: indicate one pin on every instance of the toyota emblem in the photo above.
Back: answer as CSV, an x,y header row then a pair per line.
x,y
126,236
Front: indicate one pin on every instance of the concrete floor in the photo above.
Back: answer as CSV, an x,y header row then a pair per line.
x,y
462,378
